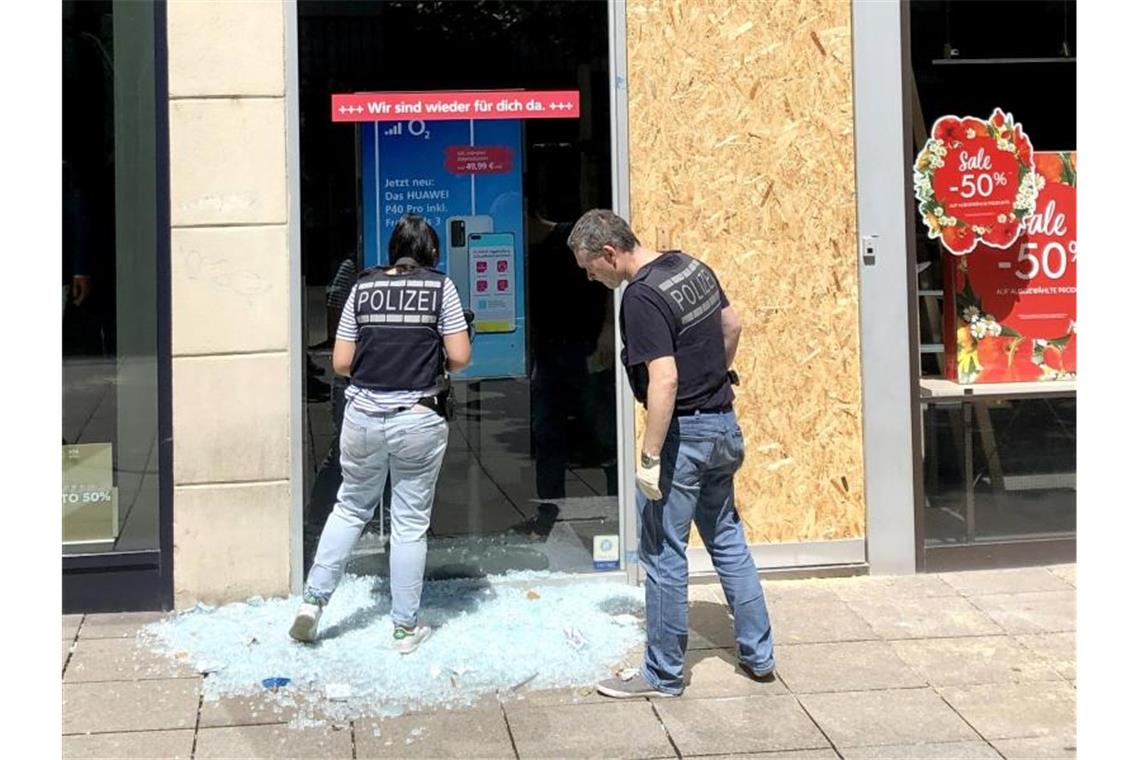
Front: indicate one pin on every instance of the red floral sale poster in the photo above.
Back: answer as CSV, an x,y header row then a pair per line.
x,y
975,181
1011,311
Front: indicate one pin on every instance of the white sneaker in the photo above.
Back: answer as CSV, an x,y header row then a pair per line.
x,y
405,641
305,624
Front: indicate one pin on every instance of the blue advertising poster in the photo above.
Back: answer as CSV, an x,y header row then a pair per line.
x,y
465,178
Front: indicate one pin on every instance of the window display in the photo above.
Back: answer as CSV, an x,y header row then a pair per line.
x,y
994,120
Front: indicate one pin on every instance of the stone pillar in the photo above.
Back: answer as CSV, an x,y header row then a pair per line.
x,y
229,191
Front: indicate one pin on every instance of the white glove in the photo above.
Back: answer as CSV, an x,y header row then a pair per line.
x,y
649,476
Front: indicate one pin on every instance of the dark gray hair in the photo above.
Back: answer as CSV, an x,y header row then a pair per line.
x,y
598,228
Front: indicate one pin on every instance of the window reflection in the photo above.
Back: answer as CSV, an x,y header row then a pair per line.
x,y
108,294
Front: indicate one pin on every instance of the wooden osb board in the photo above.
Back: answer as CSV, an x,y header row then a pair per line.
x,y
742,153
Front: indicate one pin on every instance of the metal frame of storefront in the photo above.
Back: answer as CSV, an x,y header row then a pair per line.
x,y
143,580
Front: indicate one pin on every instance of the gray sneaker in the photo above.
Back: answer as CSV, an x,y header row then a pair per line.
x,y
628,685
405,640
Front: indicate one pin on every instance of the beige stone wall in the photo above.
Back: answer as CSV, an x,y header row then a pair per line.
x,y
229,215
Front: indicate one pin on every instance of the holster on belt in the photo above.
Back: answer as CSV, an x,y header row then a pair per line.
x,y
441,403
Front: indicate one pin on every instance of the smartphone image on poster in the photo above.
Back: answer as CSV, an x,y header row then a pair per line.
x,y
457,264
493,281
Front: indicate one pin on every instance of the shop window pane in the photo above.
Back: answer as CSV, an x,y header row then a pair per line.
x,y
110,402
529,477
997,470
944,473
993,469
1025,455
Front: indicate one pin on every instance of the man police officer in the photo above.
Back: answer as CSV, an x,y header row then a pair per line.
x,y
679,337
396,326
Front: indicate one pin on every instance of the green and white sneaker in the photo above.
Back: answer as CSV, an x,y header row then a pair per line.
x,y
405,640
305,624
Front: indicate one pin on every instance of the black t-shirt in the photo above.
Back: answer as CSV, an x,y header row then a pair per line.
x,y
649,331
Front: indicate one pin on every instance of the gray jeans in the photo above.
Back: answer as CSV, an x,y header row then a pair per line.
x,y
409,445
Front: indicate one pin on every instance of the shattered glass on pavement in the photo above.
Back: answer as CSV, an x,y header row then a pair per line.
x,y
501,634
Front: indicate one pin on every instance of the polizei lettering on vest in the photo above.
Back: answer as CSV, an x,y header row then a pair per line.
x,y
409,300
692,289
693,292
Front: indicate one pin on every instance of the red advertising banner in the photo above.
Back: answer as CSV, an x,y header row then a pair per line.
x,y
974,181
454,106
476,159
1011,313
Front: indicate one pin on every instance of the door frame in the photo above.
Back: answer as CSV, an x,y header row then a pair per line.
x,y
888,328
619,162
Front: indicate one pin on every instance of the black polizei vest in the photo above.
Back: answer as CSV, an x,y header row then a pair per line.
x,y
398,346
691,294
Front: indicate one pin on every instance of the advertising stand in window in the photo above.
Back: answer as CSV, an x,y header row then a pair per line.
x,y
455,158
1008,216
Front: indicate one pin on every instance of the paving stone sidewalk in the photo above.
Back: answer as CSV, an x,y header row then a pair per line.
x,y
952,666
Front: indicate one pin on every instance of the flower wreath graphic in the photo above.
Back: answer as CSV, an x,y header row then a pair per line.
x,y
972,197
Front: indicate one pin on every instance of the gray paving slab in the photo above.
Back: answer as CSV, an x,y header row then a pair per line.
x,y
115,625
705,591
739,724
978,750
627,729
243,711
113,706
816,622
551,697
134,744
891,587
1057,649
1038,748
468,733
795,754
710,627
923,617
1036,612
121,660
711,673
973,660
843,666
71,626
275,741
1018,580
486,702
803,590
67,646
895,716
1015,711
1067,573
1010,580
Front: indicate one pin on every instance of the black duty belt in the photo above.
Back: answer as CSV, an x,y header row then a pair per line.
x,y
438,404
695,412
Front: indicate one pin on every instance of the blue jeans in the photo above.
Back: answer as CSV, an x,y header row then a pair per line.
x,y
409,445
700,456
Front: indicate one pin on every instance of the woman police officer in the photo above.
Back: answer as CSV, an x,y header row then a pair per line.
x,y
402,324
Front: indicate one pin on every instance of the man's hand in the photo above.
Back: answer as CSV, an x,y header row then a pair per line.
x,y
649,476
